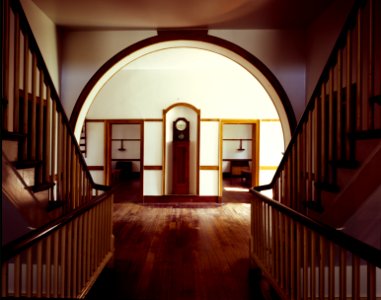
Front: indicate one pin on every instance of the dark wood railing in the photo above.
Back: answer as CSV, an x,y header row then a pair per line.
x,y
344,103
307,260
33,111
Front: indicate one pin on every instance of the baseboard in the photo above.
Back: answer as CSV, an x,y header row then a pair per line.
x,y
181,199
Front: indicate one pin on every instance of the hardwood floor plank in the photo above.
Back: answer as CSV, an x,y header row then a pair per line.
x,y
174,252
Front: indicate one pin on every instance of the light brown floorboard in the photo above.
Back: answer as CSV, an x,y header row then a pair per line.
x,y
178,253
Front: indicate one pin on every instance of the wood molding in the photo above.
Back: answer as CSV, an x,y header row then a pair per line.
x,y
125,159
153,120
209,168
150,168
269,120
96,168
181,199
188,105
164,159
210,120
255,147
95,120
124,121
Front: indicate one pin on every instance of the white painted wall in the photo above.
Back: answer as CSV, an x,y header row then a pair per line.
x,y
153,156
228,91
95,149
219,87
289,54
153,141
84,52
44,30
209,149
282,51
79,64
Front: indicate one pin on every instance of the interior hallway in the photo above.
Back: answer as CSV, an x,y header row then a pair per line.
x,y
180,251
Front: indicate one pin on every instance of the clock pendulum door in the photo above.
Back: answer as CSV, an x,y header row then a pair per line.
x,y
180,155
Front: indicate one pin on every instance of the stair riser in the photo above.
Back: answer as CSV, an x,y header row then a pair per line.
x,y
43,197
28,176
364,148
344,176
327,198
10,149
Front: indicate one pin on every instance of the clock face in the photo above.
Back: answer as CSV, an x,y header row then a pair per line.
x,y
181,125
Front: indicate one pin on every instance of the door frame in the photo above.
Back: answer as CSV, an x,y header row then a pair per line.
x,y
108,162
254,148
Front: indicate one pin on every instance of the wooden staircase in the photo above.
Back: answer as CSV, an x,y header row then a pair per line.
x,y
361,172
339,131
66,239
329,172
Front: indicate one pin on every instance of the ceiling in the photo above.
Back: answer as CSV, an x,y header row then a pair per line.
x,y
176,14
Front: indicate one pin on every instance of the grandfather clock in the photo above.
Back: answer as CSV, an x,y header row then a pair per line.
x,y
180,155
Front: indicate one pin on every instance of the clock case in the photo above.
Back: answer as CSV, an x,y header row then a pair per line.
x,y
181,156
181,135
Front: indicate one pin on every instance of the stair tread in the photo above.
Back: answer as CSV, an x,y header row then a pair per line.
x,y
26,164
315,206
375,99
54,204
12,136
41,186
329,187
345,164
367,134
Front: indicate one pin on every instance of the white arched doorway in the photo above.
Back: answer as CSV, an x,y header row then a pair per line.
x,y
187,44
219,82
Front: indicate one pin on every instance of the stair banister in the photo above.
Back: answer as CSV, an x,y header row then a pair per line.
x,y
63,258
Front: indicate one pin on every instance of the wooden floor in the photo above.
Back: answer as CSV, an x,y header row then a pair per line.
x,y
179,251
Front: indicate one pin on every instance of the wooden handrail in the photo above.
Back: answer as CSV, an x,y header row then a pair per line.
x,y
16,6
28,240
39,116
62,259
304,259
316,93
340,106
361,249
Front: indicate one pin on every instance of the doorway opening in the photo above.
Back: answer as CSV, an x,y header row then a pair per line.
x,y
125,140
240,159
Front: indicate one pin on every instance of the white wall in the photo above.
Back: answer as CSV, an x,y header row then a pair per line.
x,y
209,156
153,156
44,30
84,52
219,87
282,51
79,64
144,94
95,149
289,54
